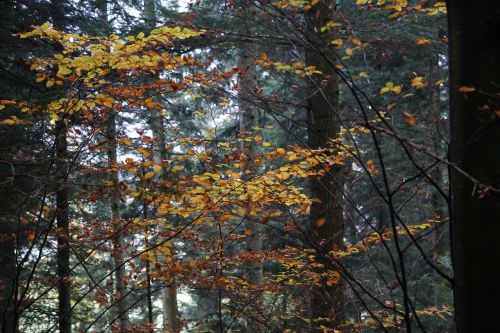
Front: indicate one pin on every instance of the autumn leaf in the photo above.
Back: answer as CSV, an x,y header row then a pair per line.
x,y
320,222
422,41
466,90
353,40
418,82
30,235
64,70
370,167
149,175
144,152
337,42
390,87
409,119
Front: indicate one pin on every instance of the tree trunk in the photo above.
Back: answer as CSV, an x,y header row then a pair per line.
x,y
169,293
113,170
249,120
475,135
63,246
160,154
324,125
8,322
118,248
62,214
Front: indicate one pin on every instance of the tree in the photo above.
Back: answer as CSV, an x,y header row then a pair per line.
x,y
475,132
160,154
336,114
323,121
62,206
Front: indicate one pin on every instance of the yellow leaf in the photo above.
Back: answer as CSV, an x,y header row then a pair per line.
x,y
143,151
178,168
281,151
49,83
353,40
361,2
422,41
64,70
248,232
46,211
337,42
149,175
363,74
157,168
418,82
45,26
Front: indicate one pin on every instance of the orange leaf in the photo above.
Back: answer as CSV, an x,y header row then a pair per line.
x,y
422,41
466,90
409,119
320,222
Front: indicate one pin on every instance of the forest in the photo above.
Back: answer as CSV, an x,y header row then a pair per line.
x,y
249,166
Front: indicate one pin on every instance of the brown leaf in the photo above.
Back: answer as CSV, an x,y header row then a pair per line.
x,y
409,119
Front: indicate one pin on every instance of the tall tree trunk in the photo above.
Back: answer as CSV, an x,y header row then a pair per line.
x,y
160,154
62,214
63,246
113,171
169,293
326,217
249,120
475,135
8,317
440,237
118,246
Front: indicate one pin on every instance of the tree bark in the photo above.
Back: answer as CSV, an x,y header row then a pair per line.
x,y
118,246
8,317
62,213
115,198
475,135
324,125
62,231
160,154
249,120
